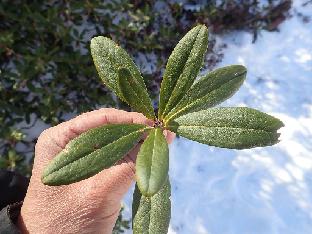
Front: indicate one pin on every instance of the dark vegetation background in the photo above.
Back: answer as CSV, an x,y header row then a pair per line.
x,y
46,70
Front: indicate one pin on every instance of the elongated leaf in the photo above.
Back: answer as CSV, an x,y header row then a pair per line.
x,y
136,198
210,90
91,152
108,57
152,163
182,68
151,215
134,94
236,128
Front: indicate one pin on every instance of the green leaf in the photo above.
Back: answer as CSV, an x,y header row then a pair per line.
x,y
210,90
152,163
237,128
134,94
151,215
136,198
182,68
108,58
91,152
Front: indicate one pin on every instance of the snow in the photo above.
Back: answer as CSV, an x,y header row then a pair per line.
x,y
263,190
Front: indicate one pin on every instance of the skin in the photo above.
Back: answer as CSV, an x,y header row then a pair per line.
x,y
88,206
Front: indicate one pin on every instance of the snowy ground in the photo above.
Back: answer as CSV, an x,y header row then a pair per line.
x,y
264,190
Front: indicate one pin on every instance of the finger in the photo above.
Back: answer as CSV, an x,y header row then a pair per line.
x,y
169,136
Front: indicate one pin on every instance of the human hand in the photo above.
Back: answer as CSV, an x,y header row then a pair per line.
x,y
88,206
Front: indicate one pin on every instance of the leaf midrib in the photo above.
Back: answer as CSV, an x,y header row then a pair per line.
x,y
222,127
151,166
148,213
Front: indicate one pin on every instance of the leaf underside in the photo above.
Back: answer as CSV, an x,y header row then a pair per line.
x,y
91,152
152,163
134,94
182,68
151,215
210,90
237,128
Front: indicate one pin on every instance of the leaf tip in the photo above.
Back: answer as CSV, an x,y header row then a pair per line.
x,y
276,123
46,180
239,70
95,40
201,26
280,124
203,31
142,188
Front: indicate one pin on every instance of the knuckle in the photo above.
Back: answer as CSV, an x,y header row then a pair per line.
x,y
42,140
43,136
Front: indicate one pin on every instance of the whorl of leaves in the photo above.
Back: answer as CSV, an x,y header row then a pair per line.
x,y
45,65
46,69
